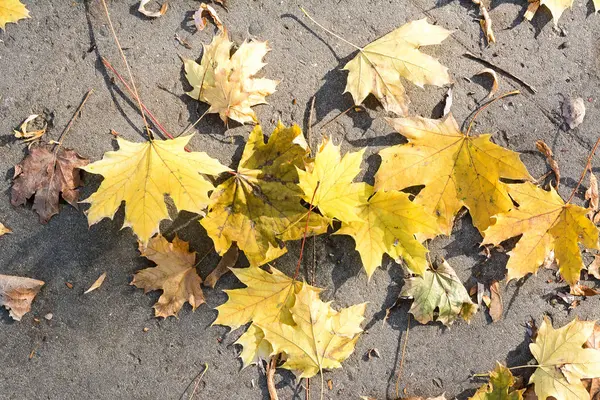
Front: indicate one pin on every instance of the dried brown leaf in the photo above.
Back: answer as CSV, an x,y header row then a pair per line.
x,y
152,14
30,136
594,267
96,284
582,290
227,261
17,293
4,230
547,152
46,174
591,194
201,17
494,76
496,307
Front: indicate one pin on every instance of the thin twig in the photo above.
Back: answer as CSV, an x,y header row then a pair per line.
x,y
135,91
330,32
310,120
198,376
305,232
191,126
339,115
501,70
588,166
483,107
271,367
67,129
402,357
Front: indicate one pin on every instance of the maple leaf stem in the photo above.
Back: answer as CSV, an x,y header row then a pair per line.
x,y
305,232
191,126
483,107
135,91
67,129
588,166
330,32
402,358
108,65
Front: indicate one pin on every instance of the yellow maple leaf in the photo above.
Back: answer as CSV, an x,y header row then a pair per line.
x,y
12,11
457,170
320,339
228,83
547,224
327,183
254,346
175,274
379,66
499,387
562,360
259,207
556,7
389,222
141,174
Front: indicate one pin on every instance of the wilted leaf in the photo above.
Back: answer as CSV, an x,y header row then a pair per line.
x,y
175,274
259,207
227,82
388,224
594,267
201,17
457,170
227,261
327,183
496,307
563,361
494,76
96,284
46,173
4,230
17,293
140,174
547,224
591,194
152,14
499,387
29,136
379,66
12,11
320,339
438,292
582,290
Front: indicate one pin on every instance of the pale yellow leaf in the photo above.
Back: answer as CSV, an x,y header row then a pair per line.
x,y
97,283
12,11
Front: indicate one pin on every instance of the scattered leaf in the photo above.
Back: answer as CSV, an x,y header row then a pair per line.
x,y
547,152
320,339
457,170
556,7
259,206
485,22
593,385
201,17
152,14
573,110
388,224
499,387
378,67
594,267
140,174
30,136
4,230
563,361
227,261
582,290
496,307
97,283
494,76
448,104
227,82
17,293
591,194
438,296
175,274
12,11
547,224
46,173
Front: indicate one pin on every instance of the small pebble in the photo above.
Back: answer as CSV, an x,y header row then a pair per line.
x,y
48,316
146,329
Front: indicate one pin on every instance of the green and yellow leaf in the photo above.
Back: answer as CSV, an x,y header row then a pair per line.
x,y
499,387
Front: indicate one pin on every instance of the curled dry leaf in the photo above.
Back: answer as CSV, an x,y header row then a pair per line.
x,y
30,136
17,293
201,17
556,7
175,274
573,111
496,307
227,261
582,290
152,14
12,11
46,173
594,267
547,152
448,104
494,76
485,22
96,284
591,194
4,230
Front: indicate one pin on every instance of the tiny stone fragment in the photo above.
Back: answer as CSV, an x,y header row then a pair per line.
x,y
573,111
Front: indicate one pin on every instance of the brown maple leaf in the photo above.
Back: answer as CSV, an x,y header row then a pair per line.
x,y
46,173
17,293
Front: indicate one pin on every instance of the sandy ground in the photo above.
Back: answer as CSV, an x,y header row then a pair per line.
x,y
95,346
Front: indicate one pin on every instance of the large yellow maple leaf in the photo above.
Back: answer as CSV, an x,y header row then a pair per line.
x,y
563,361
321,337
327,183
547,224
388,224
12,11
141,174
175,274
457,170
259,207
379,66
227,82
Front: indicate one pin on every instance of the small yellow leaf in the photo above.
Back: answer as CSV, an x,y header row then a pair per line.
x,y
4,230
499,387
140,174
456,170
175,274
378,67
12,11
97,283
327,183
547,224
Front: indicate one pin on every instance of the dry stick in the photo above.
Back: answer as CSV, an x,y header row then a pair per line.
x,y
191,126
198,377
124,82
402,358
271,367
339,115
135,92
588,166
483,107
67,129
502,70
